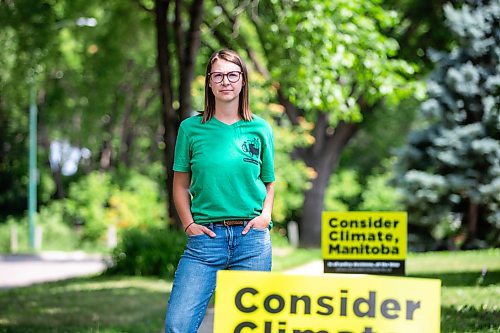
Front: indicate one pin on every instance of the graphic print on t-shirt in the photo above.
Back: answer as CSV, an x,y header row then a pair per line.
x,y
252,149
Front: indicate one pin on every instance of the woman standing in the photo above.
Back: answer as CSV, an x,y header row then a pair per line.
x,y
223,191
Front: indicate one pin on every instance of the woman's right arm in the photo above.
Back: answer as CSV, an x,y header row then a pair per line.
x,y
182,200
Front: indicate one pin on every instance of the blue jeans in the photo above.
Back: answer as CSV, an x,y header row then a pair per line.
x,y
194,281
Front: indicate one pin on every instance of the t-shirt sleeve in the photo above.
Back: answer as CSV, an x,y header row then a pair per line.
x,y
181,154
267,172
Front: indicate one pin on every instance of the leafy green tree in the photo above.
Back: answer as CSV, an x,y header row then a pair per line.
x,y
24,37
95,89
327,68
450,169
422,28
98,89
179,35
331,65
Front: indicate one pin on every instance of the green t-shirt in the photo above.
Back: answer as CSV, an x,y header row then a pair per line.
x,y
229,166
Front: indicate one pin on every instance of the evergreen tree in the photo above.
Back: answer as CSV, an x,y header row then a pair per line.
x,y
449,170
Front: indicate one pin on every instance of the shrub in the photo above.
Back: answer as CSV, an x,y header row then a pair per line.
x,y
379,195
148,252
343,191
135,203
126,200
22,234
86,204
56,235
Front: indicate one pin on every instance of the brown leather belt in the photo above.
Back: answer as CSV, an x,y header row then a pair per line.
x,y
229,223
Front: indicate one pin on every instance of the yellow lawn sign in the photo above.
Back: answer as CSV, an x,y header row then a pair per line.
x,y
265,302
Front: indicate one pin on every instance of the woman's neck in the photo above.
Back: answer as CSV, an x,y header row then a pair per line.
x,y
227,113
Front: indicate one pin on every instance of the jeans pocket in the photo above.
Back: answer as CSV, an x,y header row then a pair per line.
x,y
197,236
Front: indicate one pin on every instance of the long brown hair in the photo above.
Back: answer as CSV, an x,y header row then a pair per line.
x,y
243,107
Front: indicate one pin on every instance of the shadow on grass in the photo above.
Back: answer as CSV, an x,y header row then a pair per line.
x,y
469,319
464,279
99,304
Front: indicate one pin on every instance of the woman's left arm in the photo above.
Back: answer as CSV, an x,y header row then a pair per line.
x,y
262,221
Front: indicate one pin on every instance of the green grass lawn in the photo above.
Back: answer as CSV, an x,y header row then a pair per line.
x,y
98,304
470,294
470,297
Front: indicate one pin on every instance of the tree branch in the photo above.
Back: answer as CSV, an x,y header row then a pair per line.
x,y
178,32
291,110
143,7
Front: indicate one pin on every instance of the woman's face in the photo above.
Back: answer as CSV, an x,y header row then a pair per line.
x,y
226,91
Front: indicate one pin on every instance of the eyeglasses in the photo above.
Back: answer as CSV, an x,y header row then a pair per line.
x,y
218,77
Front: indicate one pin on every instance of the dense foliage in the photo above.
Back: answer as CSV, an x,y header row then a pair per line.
x,y
96,205
328,75
332,63
450,169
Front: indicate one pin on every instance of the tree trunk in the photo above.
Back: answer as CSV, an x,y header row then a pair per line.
x,y
106,155
44,141
323,156
310,223
169,118
106,152
128,136
188,49
60,193
472,218
127,131
187,45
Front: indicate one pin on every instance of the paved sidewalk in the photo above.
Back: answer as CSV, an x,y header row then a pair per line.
x,y
24,270
312,268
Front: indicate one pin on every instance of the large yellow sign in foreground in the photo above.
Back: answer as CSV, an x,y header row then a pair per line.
x,y
261,302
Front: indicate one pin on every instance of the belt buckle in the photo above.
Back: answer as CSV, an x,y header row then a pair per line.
x,y
226,223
